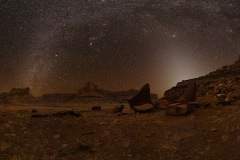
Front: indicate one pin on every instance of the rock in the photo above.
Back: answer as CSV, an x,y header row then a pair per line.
x,y
178,109
143,108
57,114
96,108
143,97
71,150
34,111
190,95
35,115
161,104
67,113
213,129
219,88
176,93
118,109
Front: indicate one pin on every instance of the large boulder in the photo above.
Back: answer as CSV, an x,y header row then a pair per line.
x,y
143,97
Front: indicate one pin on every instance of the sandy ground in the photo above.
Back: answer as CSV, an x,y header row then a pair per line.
x,y
102,135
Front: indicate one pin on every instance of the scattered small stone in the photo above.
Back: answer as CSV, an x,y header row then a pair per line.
x,y
96,108
87,133
34,111
118,109
213,129
39,115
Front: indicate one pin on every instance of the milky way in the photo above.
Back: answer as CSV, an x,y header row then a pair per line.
x,y
58,45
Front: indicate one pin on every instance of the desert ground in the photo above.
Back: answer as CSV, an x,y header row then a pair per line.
x,y
210,133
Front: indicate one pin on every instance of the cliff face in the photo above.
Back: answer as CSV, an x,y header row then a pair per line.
x,y
91,90
17,95
220,87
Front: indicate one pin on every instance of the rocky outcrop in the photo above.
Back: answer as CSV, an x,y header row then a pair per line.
x,y
18,92
20,95
58,97
91,90
138,102
221,87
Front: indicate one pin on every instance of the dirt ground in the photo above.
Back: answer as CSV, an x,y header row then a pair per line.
x,y
207,134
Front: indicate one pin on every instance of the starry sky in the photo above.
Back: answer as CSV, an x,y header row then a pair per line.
x,y
59,45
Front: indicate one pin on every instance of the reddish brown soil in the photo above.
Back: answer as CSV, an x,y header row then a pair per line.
x,y
205,134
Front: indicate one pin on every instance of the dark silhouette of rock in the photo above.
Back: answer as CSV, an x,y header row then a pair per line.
x,y
190,95
34,111
96,108
118,109
143,97
57,114
35,115
67,113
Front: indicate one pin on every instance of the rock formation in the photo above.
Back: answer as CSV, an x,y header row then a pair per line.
x,y
221,87
138,102
92,91
20,95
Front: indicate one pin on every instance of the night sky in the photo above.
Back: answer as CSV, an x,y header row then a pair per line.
x,y
59,45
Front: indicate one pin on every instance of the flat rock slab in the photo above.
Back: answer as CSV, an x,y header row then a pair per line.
x,y
56,114
143,108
